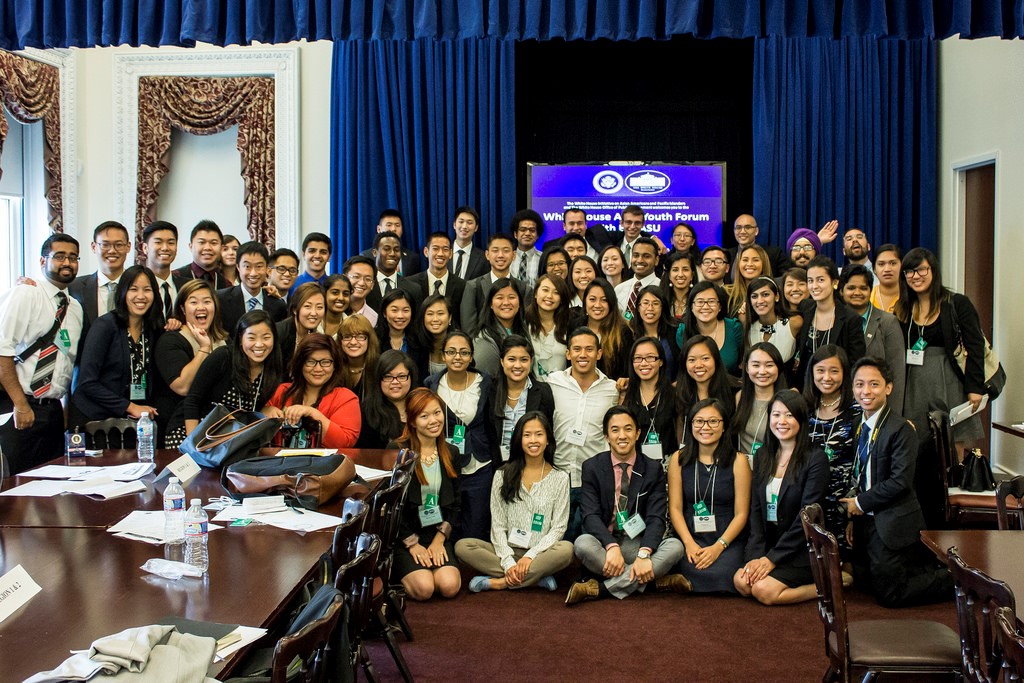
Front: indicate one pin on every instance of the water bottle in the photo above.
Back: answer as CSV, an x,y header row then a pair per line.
x,y
146,433
196,532
174,513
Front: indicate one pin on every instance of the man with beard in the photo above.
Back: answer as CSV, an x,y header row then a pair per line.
x,y
857,249
40,328
803,245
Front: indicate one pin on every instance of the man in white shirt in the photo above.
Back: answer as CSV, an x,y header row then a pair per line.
x,y
643,263
527,227
40,329
387,250
582,395
160,245
95,292
467,261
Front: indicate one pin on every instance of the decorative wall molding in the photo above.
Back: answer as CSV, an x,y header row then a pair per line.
x,y
64,61
282,64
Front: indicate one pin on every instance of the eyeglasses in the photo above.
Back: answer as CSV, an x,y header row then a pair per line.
x,y
396,379
640,360
802,247
744,228
61,257
713,422
713,262
285,270
649,303
113,246
355,337
920,271
323,362
461,353
705,303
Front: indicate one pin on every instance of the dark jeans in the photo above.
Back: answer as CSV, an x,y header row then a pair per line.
x,y
43,441
475,504
575,527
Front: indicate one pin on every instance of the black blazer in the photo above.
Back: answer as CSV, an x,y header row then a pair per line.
x,y
663,421
474,300
539,397
232,307
481,437
892,460
847,333
104,375
960,312
647,497
804,486
286,340
447,499
477,265
219,281
84,290
418,288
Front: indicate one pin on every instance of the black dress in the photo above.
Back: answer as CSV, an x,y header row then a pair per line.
x,y
836,438
720,500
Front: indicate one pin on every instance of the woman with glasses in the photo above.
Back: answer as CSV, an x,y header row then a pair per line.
x,y
706,317
338,292
547,324
516,390
383,401
469,430
360,351
317,394
789,474
649,394
709,500
433,323
684,241
938,324
555,261
614,268
762,379
679,278
306,306
652,319
767,319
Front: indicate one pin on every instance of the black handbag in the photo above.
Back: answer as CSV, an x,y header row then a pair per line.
x,y
309,480
227,436
977,472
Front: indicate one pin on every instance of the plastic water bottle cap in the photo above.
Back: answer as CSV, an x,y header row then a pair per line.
x,y
145,413
175,480
195,501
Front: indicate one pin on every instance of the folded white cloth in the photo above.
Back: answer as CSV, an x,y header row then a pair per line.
x,y
146,653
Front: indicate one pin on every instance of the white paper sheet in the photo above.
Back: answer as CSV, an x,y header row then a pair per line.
x,y
43,488
307,451
250,634
291,519
146,526
60,472
370,474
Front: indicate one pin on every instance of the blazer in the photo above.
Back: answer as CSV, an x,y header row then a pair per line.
x,y
960,312
847,333
539,397
418,288
883,338
219,281
105,374
647,497
286,340
662,422
892,459
804,486
475,299
232,307
412,263
481,437
83,288
477,265
409,527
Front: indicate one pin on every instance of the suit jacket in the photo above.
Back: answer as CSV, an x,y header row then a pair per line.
x,y
232,307
105,375
539,397
892,460
883,338
477,265
481,442
84,290
286,340
418,287
219,281
800,487
412,263
847,333
647,497
475,300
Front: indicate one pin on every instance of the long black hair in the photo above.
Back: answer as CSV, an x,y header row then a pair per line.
x,y
768,455
632,397
936,293
153,318
812,394
745,406
686,388
380,414
273,367
420,335
724,454
562,314
512,471
500,380
489,325
666,330
383,329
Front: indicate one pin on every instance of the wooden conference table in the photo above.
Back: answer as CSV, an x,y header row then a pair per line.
x,y
92,585
997,553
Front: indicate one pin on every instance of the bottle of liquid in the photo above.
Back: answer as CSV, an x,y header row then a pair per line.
x,y
196,532
174,513
146,433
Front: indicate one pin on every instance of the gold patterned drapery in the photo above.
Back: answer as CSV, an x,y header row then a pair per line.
x,y
30,91
204,106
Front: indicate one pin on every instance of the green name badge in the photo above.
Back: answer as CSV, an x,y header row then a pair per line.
x,y
830,453
65,339
620,519
700,509
459,434
430,500
919,344
755,447
653,438
538,522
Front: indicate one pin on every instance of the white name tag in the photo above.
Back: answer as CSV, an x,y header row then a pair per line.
x,y
704,524
430,515
634,526
519,538
185,469
915,357
773,512
577,437
16,588
652,450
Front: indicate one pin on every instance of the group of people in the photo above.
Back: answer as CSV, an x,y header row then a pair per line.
x,y
660,411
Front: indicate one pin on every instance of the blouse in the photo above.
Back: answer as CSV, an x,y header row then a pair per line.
x,y
543,511
340,406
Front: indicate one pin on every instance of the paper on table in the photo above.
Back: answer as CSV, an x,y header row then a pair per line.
x,y
306,520
250,634
307,451
370,474
146,526
104,487
127,472
43,488
60,472
16,588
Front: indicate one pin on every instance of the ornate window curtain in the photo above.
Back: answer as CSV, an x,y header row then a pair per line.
x,y
30,91
204,106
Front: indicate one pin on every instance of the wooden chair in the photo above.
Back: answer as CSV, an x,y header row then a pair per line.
x,y
405,462
875,646
308,645
114,432
1010,517
355,580
1011,643
353,517
959,507
978,596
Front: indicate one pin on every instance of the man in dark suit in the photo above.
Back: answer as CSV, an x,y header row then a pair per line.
x,y
436,279
468,260
248,294
160,245
623,501
391,221
204,242
886,516
95,291
574,222
500,252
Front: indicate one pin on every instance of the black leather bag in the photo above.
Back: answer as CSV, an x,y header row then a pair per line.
x,y
977,472
228,436
309,480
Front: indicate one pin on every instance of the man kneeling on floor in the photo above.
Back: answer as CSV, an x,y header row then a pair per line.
x,y
623,501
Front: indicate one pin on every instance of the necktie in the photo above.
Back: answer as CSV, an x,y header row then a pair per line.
x,y
522,266
628,254
168,306
624,485
252,303
109,303
388,285
631,305
43,374
863,449
459,262
437,286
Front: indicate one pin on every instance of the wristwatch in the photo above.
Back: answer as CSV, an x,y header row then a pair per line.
x,y
644,554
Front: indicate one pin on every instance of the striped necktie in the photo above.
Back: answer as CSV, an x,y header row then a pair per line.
x,y
252,303
42,376
631,305
168,306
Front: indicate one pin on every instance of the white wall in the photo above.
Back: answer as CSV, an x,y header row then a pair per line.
x,y
95,110
981,96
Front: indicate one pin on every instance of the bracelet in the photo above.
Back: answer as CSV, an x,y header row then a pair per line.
x,y
725,543
206,352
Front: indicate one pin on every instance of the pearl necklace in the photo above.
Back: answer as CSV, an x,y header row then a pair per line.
x,y
823,404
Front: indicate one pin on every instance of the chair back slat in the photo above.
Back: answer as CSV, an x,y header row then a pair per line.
x,y
1010,503
827,571
978,596
114,432
1011,643
309,645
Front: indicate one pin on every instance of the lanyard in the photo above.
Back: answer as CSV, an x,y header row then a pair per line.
x,y
710,487
828,333
138,368
757,429
871,443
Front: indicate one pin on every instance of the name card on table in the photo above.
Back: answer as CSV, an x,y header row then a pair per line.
x,y
184,468
16,588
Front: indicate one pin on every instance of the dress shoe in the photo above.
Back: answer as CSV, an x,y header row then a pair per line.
x,y
674,583
584,590
847,579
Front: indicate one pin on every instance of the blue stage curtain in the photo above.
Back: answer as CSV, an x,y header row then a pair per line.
x,y
421,126
84,23
846,129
